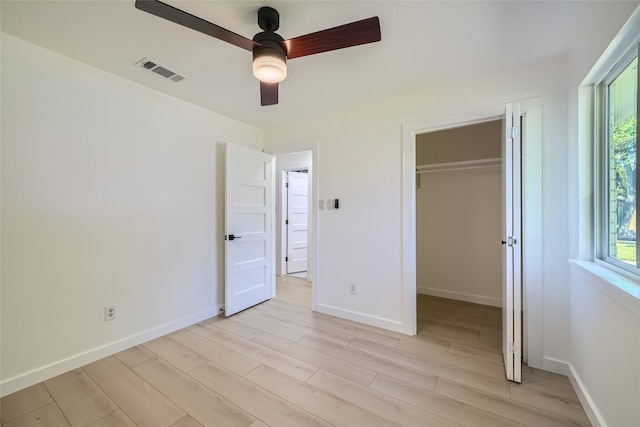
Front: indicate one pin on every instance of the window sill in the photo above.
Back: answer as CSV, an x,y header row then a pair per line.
x,y
622,288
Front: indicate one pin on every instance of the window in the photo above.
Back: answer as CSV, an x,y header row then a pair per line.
x,y
617,164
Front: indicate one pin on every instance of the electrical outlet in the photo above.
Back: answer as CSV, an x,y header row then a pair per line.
x,y
352,288
109,313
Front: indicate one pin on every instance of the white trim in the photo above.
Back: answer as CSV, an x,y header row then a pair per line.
x,y
532,275
531,211
555,365
589,406
366,319
558,366
459,166
461,296
273,227
408,215
282,203
313,267
35,376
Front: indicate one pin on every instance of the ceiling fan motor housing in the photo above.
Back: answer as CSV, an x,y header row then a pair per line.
x,y
272,54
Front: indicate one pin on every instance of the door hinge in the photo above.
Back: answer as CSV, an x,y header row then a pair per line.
x,y
286,259
513,348
286,222
512,134
287,185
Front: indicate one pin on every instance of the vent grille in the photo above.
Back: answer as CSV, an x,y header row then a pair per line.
x,y
153,66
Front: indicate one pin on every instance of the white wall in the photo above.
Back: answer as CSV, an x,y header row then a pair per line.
x,y
475,141
284,162
361,163
604,321
112,194
605,349
458,229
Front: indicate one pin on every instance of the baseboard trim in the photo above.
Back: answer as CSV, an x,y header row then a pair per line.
x,y
594,415
554,365
460,296
379,322
564,368
43,373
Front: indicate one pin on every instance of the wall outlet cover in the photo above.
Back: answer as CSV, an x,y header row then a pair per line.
x,y
109,313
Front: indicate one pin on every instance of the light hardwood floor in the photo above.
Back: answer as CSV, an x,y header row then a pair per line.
x,y
280,364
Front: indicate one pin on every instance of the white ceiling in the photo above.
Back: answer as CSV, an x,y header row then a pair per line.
x,y
423,42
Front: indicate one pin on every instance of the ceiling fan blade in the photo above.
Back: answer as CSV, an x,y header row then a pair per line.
x,y
347,35
268,93
188,20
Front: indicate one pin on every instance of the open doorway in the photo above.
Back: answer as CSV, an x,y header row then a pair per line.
x,y
458,213
459,226
295,226
466,200
531,214
294,197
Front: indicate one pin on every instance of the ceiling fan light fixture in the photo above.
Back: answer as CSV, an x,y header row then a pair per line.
x,y
270,50
269,64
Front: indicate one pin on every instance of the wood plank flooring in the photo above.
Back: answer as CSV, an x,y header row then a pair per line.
x,y
280,364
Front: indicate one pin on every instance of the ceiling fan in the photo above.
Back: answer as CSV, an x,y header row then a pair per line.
x,y
271,51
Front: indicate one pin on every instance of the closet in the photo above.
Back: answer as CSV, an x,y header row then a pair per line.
x,y
458,213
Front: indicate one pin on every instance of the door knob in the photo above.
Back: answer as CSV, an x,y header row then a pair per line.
x,y
232,237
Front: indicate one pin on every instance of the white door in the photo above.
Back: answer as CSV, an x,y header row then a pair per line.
x,y
511,244
297,221
249,276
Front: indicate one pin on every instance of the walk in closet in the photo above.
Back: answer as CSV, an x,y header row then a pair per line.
x,y
458,213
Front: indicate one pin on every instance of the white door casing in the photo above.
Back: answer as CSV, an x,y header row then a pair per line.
x,y
249,278
313,250
297,221
532,274
511,244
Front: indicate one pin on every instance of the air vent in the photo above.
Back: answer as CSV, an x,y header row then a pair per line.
x,y
153,66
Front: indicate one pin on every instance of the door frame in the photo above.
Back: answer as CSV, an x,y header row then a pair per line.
x,y
283,205
313,249
531,111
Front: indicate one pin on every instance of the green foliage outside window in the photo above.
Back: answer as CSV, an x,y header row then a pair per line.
x,y
624,144
623,120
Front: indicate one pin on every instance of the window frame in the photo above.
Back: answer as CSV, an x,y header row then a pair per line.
x,y
602,160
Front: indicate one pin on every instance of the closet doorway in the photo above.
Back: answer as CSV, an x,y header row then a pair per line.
x,y
459,213
530,243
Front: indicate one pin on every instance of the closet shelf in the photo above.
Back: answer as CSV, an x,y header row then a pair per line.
x,y
455,166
